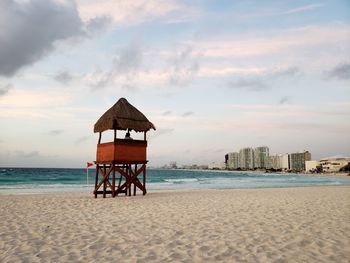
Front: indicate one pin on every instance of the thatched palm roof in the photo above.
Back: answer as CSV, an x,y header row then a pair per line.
x,y
122,116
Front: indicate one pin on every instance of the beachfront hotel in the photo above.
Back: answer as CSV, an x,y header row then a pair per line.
x,y
246,158
333,164
279,162
260,158
297,161
232,160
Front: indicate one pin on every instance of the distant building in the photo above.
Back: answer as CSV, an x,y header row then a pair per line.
x,y
246,158
334,164
232,160
216,166
284,161
261,157
278,162
193,167
312,166
172,165
274,162
297,161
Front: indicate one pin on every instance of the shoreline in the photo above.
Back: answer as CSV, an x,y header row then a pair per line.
x,y
185,190
303,224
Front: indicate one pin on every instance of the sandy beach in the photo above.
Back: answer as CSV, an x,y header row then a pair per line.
x,y
246,225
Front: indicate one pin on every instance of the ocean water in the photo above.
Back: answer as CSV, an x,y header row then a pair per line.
x,y
42,180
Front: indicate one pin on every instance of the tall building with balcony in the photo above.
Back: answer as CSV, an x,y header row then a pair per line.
x,y
246,158
232,160
297,161
279,161
274,162
261,157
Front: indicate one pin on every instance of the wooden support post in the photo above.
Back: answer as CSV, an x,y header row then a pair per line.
x,y
144,136
113,181
99,137
129,180
104,180
104,183
144,179
126,180
115,135
135,184
96,179
119,183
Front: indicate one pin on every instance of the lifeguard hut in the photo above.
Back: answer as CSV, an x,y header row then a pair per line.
x,y
125,158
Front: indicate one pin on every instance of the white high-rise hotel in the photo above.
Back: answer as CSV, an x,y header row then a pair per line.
x,y
259,158
232,160
248,158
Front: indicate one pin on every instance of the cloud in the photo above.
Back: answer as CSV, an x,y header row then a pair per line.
x,y
285,43
99,79
208,71
160,132
291,111
64,77
129,87
127,65
342,71
30,29
183,66
300,9
284,100
98,24
127,13
167,113
5,89
296,10
253,83
129,59
264,79
163,131
24,99
187,113
21,154
55,132
285,72
218,150
81,140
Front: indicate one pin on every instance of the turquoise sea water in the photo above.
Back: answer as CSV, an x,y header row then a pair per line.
x,y
38,180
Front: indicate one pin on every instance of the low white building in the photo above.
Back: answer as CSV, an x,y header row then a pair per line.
x,y
311,166
216,166
334,164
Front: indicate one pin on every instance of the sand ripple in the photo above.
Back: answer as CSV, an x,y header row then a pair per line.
x,y
262,225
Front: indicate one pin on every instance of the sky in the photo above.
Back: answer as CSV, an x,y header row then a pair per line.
x,y
212,76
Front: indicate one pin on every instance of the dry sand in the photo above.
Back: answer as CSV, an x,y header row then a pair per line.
x,y
258,225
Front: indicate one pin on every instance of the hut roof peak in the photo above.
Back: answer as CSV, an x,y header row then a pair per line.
x,y
121,116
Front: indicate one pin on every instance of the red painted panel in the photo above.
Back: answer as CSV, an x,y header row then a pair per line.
x,y
122,150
